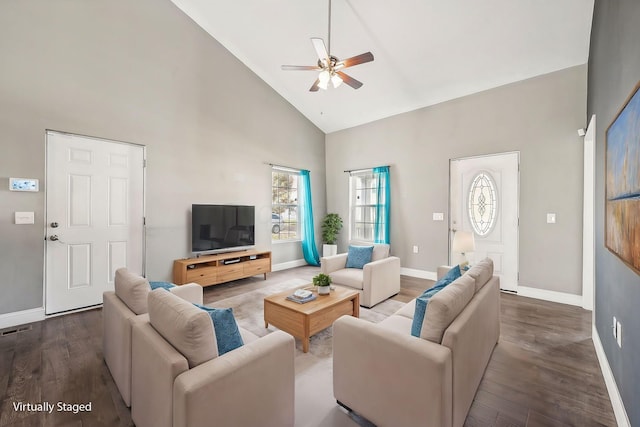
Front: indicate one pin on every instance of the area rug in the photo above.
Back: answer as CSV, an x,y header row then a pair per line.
x,y
248,309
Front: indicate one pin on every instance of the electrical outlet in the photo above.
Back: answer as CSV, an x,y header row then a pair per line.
x,y
415,249
438,216
619,334
551,218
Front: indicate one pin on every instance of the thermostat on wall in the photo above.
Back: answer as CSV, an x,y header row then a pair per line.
x,y
23,184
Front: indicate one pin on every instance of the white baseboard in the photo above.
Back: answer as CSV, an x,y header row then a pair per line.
x,y
288,265
614,394
552,296
21,317
420,274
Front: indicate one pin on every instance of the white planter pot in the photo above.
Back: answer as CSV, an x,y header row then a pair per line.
x,y
329,250
324,290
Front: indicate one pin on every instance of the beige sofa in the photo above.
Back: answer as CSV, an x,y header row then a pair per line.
x,y
179,380
377,281
119,308
392,378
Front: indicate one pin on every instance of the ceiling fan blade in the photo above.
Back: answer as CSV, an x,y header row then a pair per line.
x,y
300,67
355,60
321,49
349,80
315,87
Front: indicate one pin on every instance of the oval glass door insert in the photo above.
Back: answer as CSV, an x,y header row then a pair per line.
x,y
483,203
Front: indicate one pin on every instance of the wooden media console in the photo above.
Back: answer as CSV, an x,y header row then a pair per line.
x,y
214,269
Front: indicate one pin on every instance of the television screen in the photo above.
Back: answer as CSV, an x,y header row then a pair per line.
x,y
219,228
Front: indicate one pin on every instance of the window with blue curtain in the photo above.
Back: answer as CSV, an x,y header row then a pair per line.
x,y
370,205
284,204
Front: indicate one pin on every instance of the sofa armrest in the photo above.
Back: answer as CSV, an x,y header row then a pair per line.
x,y
191,292
391,378
380,280
249,386
333,263
116,342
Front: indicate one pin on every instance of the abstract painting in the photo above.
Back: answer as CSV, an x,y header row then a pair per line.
x,y
622,183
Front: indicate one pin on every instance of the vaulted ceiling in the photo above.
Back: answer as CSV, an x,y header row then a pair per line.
x,y
426,51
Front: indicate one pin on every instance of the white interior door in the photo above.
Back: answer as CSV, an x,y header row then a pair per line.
x,y
484,200
95,217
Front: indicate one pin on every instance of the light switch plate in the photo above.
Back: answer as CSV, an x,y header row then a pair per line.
x,y
25,218
438,216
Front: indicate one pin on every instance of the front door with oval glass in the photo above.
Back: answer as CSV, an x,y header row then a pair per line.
x,y
484,202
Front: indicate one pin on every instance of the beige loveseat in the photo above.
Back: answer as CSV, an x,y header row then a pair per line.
x,y
119,308
392,378
376,281
180,380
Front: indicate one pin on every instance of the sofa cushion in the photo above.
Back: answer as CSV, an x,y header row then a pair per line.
x,y
445,306
132,290
422,302
163,285
407,310
187,328
351,277
380,250
395,323
481,272
226,329
247,336
358,256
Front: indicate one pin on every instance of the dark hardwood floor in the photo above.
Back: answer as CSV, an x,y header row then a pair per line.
x,y
544,371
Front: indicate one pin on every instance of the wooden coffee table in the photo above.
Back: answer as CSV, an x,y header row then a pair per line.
x,y
304,320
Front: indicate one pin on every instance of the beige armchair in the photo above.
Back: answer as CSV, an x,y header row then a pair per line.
x,y
180,380
119,308
377,281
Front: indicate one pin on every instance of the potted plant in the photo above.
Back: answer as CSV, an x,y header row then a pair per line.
x,y
331,226
322,281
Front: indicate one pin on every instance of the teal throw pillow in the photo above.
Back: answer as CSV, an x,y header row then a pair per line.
x,y
163,285
358,256
423,300
227,332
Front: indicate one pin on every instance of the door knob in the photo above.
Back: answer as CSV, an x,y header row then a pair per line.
x,y
53,238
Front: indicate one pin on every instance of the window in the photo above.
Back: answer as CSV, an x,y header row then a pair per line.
x,y
483,201
284,205
363,205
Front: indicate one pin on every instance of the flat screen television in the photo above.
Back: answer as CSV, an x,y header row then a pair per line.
x,y
222,228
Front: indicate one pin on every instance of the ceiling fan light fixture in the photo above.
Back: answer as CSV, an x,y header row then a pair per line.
x,y
324,76
323,84
336,80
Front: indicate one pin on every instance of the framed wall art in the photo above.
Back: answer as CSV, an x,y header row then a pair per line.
x,y
622,183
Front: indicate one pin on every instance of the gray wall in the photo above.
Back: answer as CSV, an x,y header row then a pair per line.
x,y
538,117
140,72
614,71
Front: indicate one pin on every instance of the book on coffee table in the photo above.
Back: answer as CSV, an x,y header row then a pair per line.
x,y
301,300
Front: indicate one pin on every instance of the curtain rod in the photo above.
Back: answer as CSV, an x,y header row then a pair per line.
x,y
282,167
365,169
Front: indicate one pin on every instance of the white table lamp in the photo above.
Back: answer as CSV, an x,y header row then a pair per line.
x,y
463,242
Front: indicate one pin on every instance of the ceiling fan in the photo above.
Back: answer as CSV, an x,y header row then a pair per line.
x,y
331,67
